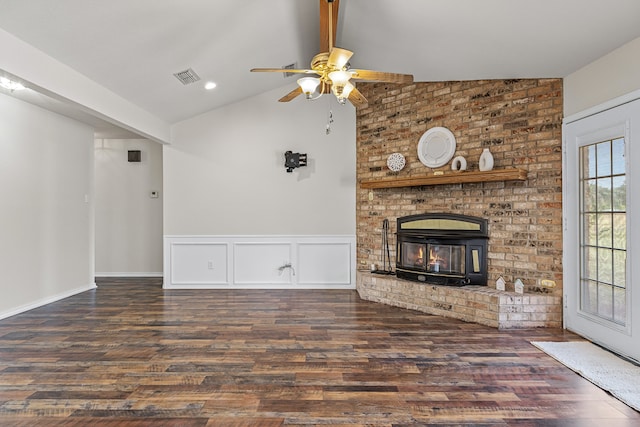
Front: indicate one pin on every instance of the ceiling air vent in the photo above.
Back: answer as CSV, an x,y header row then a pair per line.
x,y
289,67
187,77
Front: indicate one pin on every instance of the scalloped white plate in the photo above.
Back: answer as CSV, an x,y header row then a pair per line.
x,y
436,147
396,162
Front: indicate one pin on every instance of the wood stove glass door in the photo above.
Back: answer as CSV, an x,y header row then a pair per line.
x,y
446,259
413,255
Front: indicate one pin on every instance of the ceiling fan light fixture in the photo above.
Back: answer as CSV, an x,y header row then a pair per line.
x,y
342,98
332,68
341,58
308,85
339,79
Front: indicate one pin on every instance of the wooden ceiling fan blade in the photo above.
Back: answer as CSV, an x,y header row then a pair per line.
x,y
357,98
338,58
281,70
381,76
291,95
328,26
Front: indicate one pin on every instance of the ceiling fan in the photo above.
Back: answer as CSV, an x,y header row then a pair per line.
x,y
332,68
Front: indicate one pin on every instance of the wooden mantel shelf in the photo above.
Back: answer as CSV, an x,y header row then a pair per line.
x,y
512,174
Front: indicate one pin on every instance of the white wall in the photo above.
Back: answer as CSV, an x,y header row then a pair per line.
x,y
128,219
224,172
46,219
613,75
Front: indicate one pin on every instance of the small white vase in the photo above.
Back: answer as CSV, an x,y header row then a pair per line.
x,y
459,163
486,160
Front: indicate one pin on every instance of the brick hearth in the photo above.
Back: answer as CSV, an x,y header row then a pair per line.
x,y
479,304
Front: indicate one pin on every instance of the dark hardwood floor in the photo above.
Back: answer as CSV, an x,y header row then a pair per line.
x,y
131,354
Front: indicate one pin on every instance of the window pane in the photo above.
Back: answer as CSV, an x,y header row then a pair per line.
x,y
590,236
604,194
618,157
619,268
619,193
589,161
619,305
620,231
589,195
605,266
605,230
603,164
605,301
589,296
591,264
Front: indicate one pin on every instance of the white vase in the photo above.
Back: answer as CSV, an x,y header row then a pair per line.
x,y
486,160
459,163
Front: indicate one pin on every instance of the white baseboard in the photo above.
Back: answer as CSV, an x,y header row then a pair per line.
x,y
128,274
45,301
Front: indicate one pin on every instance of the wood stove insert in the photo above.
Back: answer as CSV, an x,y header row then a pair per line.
x,y
443,249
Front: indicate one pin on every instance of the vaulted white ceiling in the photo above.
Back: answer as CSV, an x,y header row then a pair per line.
x,y
133,47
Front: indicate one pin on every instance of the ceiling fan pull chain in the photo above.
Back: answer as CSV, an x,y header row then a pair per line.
x,y
329,121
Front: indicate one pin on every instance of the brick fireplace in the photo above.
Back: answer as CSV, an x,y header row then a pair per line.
x,y
519,121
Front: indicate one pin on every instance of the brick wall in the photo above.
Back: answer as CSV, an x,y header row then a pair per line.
x,y
518,120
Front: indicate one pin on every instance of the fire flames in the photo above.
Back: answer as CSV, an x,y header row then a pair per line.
x,y
419,257
434,257
436,261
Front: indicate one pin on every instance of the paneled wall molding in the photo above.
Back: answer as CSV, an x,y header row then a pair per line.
x,y
260,262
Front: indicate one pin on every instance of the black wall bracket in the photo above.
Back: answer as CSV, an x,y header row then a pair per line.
x,y
294,160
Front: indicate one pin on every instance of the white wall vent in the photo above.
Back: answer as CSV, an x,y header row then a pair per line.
x,y
187,77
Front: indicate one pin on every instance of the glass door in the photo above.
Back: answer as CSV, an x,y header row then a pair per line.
x,y
601,196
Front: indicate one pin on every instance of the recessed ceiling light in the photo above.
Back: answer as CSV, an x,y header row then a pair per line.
x,y
210,85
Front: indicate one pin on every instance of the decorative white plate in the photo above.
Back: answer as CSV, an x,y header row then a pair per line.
x,y
436,147
396,162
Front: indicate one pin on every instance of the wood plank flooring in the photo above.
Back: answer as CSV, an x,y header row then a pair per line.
x,y
131,354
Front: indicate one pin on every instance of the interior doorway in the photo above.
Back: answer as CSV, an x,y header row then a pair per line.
x,y
128,219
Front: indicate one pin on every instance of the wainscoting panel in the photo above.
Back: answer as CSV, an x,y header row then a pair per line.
x,y
328,263
199,263
263,262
